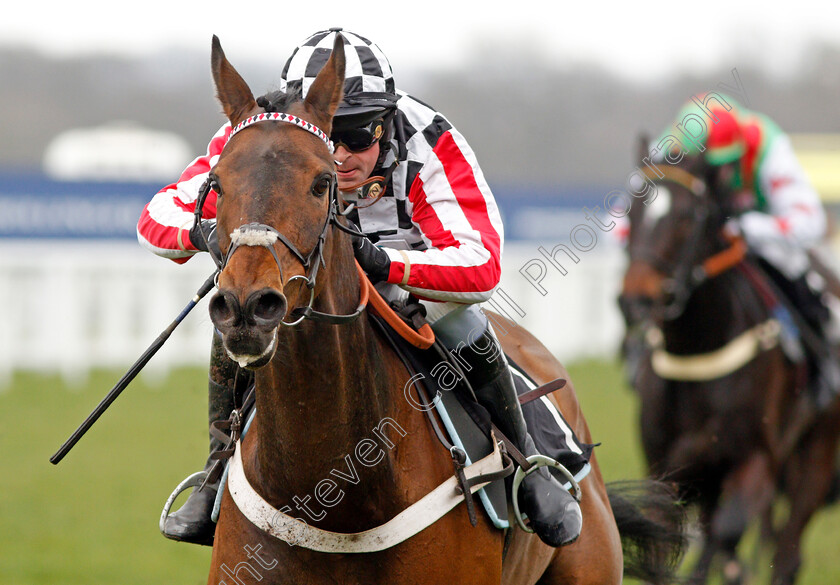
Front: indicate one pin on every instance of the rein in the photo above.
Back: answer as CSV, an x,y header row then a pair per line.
x,y
727,259
678,176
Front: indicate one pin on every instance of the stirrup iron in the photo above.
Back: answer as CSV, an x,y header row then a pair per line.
x,y
538,461
194,480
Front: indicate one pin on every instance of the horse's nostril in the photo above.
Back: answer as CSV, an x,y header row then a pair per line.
x,y
267,307
224,309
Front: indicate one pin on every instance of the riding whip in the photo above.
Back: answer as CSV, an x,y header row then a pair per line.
x,y
132,372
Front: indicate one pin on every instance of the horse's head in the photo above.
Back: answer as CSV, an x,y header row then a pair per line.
x,y
673,230
276,187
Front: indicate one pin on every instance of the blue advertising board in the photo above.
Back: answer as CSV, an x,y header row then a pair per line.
x,y
35,206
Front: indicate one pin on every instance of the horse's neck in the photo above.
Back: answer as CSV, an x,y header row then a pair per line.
x,y
328,389
718,310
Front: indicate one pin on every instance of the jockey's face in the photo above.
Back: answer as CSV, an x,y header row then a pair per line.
x,y
726,179
354,167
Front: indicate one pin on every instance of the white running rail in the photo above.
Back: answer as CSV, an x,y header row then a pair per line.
x,y
69,306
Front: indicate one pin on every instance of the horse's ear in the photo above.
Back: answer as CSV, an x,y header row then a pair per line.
x,y
326,91
233,93
697,165
642,152
643,140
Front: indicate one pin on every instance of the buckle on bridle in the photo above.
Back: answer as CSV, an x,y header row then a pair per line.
x,y
304,312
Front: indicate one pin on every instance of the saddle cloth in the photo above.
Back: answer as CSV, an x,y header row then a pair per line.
x,y
552,436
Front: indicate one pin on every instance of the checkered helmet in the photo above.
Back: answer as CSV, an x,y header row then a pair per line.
x,y
369,91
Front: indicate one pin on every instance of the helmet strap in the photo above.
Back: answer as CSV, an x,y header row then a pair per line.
x,y
372,189
368,191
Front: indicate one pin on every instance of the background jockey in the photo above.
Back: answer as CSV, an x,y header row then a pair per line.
x,y
434,230
752,165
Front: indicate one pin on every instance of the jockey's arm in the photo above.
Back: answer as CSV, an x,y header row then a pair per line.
x,y
796,215
453,207
166,220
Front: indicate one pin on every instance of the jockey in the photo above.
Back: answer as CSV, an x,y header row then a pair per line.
x,y
434,231
752,166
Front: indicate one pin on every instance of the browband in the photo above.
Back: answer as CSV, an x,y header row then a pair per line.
x,y
289,119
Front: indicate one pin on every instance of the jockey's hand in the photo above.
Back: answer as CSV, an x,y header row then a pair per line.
x,y
732,228
373,259
204,237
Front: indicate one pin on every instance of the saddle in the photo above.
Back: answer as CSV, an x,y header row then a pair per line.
x,y
467,424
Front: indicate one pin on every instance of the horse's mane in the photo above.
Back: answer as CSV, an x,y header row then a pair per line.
x,y
277,100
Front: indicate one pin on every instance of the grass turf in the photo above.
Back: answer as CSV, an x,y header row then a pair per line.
x,y
93,518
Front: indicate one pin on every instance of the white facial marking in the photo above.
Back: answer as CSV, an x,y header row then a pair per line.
x,y
658,205
245,359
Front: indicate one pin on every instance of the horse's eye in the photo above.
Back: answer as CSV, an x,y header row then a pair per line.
x,y
321,186
214,185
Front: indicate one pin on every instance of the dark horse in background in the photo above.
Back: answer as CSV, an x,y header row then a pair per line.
x,y
724,411
324,386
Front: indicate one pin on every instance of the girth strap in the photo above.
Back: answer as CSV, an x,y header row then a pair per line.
x,y
459,457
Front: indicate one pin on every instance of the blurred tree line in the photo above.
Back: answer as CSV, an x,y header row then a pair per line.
x,y
530,121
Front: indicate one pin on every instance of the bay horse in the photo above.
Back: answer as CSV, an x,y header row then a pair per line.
x,y
724,412
331,417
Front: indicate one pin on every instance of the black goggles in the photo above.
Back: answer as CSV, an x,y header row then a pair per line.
x,y
359,139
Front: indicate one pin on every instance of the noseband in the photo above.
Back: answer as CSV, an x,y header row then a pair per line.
x,y
266,236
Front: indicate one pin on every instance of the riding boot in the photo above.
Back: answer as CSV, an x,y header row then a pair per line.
x,y
192,522
821,351
554,514
813,320
825,379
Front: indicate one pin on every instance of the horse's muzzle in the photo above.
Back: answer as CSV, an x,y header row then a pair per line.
x,y
249,330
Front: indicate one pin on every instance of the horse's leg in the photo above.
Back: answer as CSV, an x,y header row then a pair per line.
x,y
808,482
700,572
688,449
233,534
746,493
655,421
596,557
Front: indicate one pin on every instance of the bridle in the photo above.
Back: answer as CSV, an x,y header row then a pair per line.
x,y
646,335
266,236
684,275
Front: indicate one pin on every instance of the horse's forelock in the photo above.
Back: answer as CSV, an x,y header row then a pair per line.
x,y
278,101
